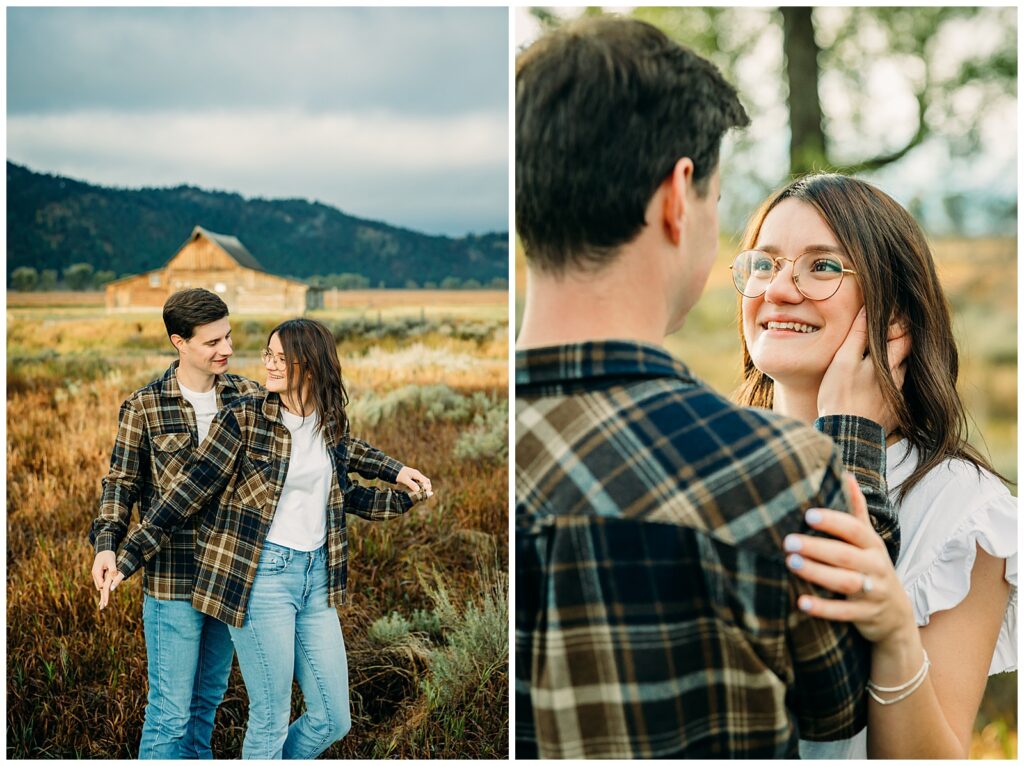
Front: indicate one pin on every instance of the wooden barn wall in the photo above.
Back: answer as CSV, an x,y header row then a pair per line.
x,y
203,264
136,294
201,255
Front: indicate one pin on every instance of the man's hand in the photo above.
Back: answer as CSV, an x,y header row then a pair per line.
x,y
414,480
851,386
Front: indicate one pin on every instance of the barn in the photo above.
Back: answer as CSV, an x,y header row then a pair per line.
x,y
221,264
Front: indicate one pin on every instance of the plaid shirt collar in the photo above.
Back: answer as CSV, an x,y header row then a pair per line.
x,y
580,363
170,388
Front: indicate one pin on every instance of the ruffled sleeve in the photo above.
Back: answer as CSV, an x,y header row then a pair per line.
x,y
991,523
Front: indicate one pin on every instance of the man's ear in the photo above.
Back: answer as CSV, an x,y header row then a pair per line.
x,y
674,206
177,341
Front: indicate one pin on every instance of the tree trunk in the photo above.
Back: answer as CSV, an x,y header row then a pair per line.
x,y
807,149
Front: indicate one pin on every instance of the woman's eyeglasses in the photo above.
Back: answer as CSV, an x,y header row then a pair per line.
x,y
280,362
816,275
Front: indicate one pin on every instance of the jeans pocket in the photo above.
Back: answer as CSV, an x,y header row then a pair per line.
x,y
272,562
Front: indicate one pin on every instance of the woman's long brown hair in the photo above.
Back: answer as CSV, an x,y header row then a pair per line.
x,y
313,357
897,277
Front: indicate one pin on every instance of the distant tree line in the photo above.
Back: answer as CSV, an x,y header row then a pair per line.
x,y
349,281
77,276
81,276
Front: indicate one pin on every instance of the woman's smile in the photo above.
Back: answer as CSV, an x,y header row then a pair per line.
x,y
785,326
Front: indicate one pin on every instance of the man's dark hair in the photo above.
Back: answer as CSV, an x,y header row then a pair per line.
x,y
605,108
188,309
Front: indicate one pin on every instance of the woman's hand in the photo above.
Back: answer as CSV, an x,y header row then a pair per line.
x,y
850,385
112,580
856,565
414,480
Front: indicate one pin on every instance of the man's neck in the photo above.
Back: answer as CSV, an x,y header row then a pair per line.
x,y
573,308
195,380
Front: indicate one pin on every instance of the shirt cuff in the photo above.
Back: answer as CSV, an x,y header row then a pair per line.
x,y
411,498
128,561
104,541
390,469
862,445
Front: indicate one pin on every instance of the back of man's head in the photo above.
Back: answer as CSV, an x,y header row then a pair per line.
x,y
188,309
604,109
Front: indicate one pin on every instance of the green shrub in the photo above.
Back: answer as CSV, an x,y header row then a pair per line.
x,y
425,621
390,630
476,646
436,402
487,438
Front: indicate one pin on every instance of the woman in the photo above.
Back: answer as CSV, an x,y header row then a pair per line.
x,y
271,558
830,260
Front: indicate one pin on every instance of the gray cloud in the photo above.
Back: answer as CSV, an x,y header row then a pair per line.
x,y
396,114
416,60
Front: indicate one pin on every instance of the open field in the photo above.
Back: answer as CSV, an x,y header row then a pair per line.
x,y
474,304
980,280
426,627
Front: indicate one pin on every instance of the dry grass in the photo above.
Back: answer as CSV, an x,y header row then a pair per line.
x,y
48,300
77,678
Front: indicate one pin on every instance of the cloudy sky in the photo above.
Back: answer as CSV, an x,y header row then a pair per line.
x,y
399,115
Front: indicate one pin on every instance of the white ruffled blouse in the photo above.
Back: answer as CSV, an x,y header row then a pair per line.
x,y
944,518
951,512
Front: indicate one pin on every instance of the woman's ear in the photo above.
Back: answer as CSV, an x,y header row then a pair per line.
x,y
898,345
898,328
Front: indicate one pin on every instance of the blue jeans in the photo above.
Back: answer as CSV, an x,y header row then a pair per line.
x,y
189,657
291,632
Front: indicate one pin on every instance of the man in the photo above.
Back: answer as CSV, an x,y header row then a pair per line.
x,y
655,616
160,425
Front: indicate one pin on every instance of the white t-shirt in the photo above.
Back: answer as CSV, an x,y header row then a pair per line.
x,y
300,521
943,519
205,405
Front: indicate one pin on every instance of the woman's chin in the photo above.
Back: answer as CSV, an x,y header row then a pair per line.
x,y
791,374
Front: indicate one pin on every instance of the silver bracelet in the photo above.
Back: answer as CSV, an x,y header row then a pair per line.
x,y
908,688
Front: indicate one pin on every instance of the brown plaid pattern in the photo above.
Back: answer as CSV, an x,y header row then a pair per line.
x,y
244,460
655,616
156,434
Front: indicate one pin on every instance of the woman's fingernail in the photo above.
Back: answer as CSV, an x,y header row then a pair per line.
x,y
796,561
792,543
813,516
804,602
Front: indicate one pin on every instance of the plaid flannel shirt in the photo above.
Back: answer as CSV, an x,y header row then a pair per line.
x,y
243,463
156,434
655,616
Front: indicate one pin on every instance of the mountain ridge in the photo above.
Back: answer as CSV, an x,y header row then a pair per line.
x,y
54,221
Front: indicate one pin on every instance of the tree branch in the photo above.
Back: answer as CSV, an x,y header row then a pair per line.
x,y
923,131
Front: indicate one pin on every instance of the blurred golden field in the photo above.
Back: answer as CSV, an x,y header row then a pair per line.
x,y
426,628
980,280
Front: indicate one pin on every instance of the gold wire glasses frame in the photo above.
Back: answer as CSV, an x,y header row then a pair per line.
x,y
280,363
816,275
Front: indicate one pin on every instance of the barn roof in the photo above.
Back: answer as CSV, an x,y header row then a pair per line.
x,y
231,245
